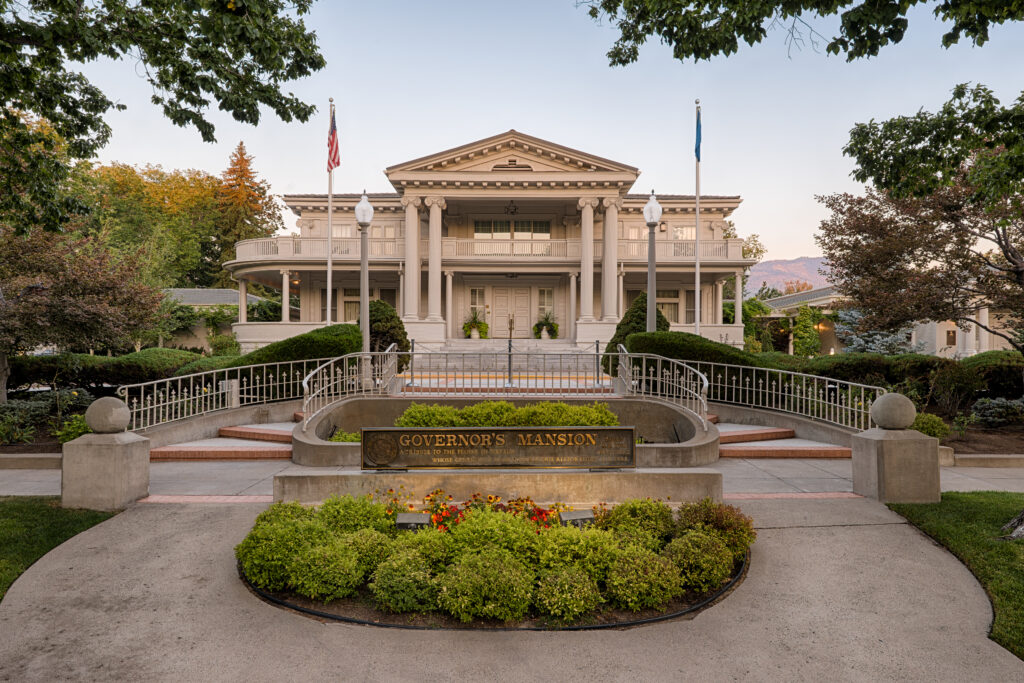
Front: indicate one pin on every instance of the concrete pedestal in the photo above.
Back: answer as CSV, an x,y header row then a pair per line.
x,y
105,471
896,466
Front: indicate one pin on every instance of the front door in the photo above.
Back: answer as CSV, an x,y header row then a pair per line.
x,y
511,309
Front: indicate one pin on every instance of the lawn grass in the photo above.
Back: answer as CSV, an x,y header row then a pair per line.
x,y
968,523
32,526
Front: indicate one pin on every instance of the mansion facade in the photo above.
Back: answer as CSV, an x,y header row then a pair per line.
x,y
511,228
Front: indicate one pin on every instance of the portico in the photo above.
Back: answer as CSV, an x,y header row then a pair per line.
x,y
512,228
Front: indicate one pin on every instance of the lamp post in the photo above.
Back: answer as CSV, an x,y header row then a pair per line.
x,y
364,214
652,216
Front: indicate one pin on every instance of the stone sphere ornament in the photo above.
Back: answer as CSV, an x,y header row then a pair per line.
x,y
108,415
893,411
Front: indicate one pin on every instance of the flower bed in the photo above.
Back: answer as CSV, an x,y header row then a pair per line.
x,y
485,562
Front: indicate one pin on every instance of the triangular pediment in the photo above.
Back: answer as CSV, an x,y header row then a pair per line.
x,y
511,152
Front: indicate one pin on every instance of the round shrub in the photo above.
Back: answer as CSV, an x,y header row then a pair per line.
x,y
435,547
265,554
641,579
404,583
326,572
370,546
702,558
280,512
999,412
648,517
733,527
491,584
930,425
325,342
592,550
566,594
485,529
346,514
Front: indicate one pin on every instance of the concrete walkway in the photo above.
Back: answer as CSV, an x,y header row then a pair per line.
x,y
838,590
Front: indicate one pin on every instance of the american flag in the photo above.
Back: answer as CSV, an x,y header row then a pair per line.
x,y
333,154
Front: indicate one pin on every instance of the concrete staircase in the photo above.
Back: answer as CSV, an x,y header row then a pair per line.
x,y
242,442
753,441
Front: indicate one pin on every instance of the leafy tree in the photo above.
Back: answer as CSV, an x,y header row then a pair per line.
x,y
386,328
857,339
752,249
247,209
703,29
764,292
806,340
61,290
235,53
795,286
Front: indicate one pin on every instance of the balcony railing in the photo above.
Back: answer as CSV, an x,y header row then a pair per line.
x,y
345,248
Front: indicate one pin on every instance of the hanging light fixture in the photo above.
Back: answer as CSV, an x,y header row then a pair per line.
x,y
511,209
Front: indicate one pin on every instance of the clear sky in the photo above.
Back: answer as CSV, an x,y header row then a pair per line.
x,y
411,78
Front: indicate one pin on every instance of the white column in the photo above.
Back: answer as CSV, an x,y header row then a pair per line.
x,y
610,260
738,319
719,300
970,348
411,307
983,338
243,301
449,317
285,297
572,306
436,204
587,205
621,296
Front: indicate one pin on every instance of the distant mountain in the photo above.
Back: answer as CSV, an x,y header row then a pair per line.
x,y
777,271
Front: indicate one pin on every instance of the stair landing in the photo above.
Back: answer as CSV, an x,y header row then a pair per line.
x,y
753,441
242,442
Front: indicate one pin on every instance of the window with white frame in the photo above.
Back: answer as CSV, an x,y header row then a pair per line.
x,y
486,230
691,306
350,304
684,232
545,301
476,302
667,301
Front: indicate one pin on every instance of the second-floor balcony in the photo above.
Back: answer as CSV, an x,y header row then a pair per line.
x,y
457,249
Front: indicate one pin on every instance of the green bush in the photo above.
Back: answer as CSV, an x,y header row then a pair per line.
x,y
324,342
285,512
72,428
492,529
633,321
341,436
490,584
650,517
224,345
1002,372
206,364
642,579
404,583
82,369
266,553
326,572
345,514
12,431
371,546
702,558
386,328
735,528
954,387
435,547
998,412
504,414
689,347
146,365
566,594
806,340
930,425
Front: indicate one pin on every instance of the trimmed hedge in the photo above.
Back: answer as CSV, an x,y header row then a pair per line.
x,y
1003,372
504,414
685,346
326,342
81,369
206,364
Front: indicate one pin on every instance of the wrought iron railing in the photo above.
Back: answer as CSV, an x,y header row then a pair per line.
x,y
847,404
178,398
356,374
647,375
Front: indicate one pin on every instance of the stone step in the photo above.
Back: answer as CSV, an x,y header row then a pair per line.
x,y
298,416
257,434
755,434
993,460
30,461
712,418
783,448
222,449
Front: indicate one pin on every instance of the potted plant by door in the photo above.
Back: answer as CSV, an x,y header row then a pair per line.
x,y
546,327
475,327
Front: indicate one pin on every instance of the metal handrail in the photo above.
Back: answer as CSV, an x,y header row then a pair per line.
x,y
353,374
649,375
178,398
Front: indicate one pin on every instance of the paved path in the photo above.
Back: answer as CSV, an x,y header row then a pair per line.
x,y
838,590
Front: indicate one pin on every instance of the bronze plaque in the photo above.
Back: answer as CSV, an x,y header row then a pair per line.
x,y
498,447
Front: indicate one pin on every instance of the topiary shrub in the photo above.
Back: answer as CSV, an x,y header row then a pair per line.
x,y
642,579
504,414
325,342
326,572
284,512
930,425
566,594
735,528
492,529
345,514
649,517
689,347
490,584
423,415
998,412
206,364
266,553
1001,371
386,328
404,582
633,321
592,550
146,365
702,558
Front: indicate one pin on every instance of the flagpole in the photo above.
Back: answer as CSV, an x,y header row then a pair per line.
x,y
696,235
330,230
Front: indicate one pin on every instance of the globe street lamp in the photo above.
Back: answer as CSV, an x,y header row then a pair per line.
x,y
364,214
652,216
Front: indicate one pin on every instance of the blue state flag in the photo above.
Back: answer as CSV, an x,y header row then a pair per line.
x,y
696,147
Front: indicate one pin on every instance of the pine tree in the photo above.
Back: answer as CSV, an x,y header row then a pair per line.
x,y
247,209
